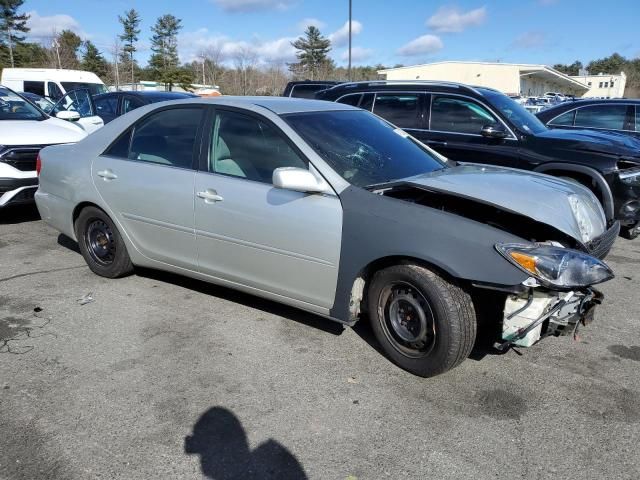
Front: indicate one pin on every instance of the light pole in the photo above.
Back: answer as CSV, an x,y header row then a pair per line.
x,y
349,70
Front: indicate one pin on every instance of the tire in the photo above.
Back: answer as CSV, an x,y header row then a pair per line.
x,y
101,244
425,342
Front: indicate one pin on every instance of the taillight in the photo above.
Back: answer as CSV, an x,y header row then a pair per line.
x,y
38,164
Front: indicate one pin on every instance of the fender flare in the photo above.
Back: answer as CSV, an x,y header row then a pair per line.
x,y
601,183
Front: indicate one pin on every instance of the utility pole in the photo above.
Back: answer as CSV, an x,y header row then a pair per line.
x,y
349,74
116,53
56,45
10,45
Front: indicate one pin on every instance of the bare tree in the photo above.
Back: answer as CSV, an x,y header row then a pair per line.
x,y
245,59
212,58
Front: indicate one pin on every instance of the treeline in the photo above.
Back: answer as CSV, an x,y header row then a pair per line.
x,y
612,64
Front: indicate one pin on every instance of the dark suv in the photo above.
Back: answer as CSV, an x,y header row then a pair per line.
x,y
482,125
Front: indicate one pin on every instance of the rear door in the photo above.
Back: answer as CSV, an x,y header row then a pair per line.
x,y
455,122
146,178
251,233
404,109
80,101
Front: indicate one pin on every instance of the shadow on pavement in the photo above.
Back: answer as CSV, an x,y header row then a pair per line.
x,y
68,243
19,214
221,442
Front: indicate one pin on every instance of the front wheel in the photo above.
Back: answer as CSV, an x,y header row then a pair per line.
x,y
424,323
101,245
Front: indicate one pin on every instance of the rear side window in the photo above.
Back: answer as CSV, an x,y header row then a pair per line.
x,y
120,148
459,115
34,87
564,120
131,103
403,110
353,99
602,116
307,91
106,105
637,118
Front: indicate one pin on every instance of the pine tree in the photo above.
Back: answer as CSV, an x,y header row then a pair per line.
x,y
12,26
313,50
93,61
164,63
68,44
130,23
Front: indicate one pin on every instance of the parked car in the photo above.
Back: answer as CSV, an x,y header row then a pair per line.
x,y
24,130
620,116
330,209
306,88
43,103
112,105
482,125
52,83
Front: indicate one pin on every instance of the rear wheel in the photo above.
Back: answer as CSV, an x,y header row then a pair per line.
x,y
101,244
424,323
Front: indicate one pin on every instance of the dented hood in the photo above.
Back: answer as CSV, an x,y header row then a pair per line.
x,y
568,207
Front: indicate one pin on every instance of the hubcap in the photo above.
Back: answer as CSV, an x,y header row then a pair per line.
x,y
408,321
100,242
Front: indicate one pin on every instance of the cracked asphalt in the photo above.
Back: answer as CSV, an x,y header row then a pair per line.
x,y
165,377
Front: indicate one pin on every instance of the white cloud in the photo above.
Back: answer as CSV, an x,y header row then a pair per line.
x,y
244,6
193,44
44,27
451,19
340,37
424,45
358,54
529,40
306,22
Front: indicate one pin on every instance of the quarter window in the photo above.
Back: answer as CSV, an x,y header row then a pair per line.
x,y
459,115
367,101
246,147
402,110
602,116
167,137
106,105
564,120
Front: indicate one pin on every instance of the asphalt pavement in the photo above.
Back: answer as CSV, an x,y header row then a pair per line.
x,y
158,376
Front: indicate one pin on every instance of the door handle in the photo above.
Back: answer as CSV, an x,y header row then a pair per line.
x,y
437,143
210,196
107,175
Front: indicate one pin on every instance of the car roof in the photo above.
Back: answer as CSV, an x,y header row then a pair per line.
x,y
278,105
407,85
572,104
150,94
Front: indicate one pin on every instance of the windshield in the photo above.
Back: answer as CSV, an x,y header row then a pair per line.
x,y
361,147
14,107
94,88
524,120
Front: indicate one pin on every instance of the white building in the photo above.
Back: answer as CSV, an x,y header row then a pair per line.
x,y
510,78
604,86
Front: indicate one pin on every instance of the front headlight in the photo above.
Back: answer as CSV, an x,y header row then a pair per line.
x,y
556,266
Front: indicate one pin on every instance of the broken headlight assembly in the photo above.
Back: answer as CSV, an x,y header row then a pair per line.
x,y
630,176
556,267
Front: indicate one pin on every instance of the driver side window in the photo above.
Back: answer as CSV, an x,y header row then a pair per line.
x,y
246,147
459,115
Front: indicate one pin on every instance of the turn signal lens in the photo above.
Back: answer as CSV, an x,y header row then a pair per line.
x,y
38,164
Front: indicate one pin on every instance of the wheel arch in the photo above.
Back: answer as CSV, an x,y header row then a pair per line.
x,y
576,171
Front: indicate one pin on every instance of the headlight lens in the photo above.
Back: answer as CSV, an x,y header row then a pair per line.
x,y
556,266
583,218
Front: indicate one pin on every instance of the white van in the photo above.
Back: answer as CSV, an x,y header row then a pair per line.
x,y
50,82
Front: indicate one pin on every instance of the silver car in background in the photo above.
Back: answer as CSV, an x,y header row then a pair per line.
x,y
330,209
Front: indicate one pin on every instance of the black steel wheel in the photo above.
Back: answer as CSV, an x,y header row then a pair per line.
x,y
101,244
424,323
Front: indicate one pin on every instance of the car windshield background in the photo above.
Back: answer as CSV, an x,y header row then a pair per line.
x,y
14,107
246,147
403,110
519,116
362,148
610,117
459,115
167,137
94,88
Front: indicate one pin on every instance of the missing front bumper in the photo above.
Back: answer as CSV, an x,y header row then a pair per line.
x,y
538,314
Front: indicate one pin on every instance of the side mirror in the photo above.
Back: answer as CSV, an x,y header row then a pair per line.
x,y
298,180
493,131
67,115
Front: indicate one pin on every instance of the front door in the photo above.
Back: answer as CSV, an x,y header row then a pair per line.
x,y
80,101
251,233
146,178
454,131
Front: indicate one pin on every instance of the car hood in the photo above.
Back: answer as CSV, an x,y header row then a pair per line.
x,y
592,140
39,132
545,199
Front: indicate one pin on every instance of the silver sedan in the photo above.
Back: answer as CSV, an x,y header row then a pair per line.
x,y
330,209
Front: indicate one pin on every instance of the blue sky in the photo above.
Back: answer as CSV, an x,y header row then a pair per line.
x,y
387,32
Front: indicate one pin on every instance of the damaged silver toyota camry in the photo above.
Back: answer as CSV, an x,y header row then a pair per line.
x,y
330,209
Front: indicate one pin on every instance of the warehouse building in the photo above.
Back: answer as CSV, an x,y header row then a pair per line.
x,y
510,78
604,86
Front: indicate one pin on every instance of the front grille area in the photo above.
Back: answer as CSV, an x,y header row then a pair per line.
x,y
21,157
600,246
